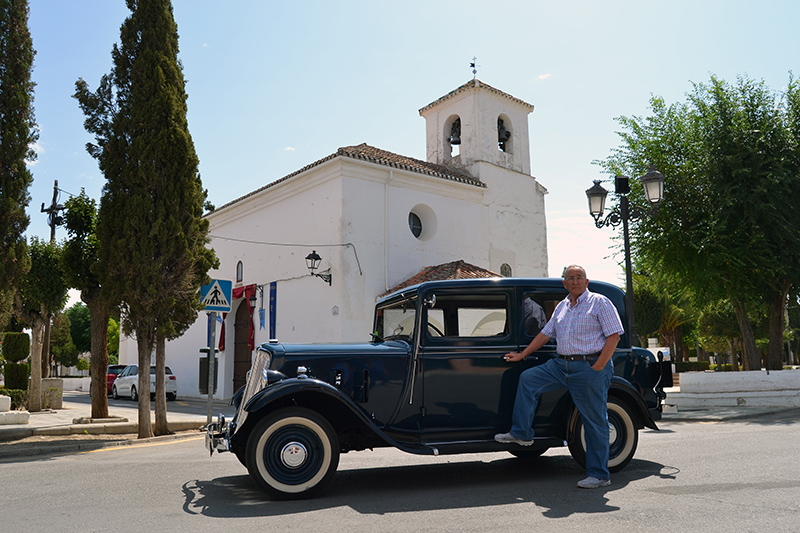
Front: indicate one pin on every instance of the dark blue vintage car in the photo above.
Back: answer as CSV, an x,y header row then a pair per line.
x,y
432,381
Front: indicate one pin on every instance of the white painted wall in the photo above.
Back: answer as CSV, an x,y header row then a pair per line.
x,y
354,213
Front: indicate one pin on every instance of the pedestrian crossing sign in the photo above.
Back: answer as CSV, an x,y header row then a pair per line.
x,y
216,296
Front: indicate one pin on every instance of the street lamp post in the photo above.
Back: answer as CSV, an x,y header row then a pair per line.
x,y
653,183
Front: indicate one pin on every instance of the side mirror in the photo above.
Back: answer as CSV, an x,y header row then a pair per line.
x,y
430,303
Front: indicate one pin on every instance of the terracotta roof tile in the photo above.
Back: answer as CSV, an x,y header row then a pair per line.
x,y
369,153
382,157
453,270
477,84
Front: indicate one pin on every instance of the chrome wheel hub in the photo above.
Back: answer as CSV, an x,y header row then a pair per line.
x,y
612,433
293,455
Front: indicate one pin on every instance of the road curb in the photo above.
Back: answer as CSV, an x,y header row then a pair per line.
x,y
725,414
111,428
30,450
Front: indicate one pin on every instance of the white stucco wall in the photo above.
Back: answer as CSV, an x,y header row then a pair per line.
x,y
354,213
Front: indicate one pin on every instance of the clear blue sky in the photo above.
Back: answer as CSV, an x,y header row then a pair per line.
x,y
276,85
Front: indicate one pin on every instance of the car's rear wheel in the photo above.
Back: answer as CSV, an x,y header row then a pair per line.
x,y
171,396
623,436
134,396
292,453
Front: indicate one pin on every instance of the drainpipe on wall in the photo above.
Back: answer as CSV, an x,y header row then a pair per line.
x,y
386,230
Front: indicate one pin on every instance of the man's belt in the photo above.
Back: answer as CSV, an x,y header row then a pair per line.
x,y
579,357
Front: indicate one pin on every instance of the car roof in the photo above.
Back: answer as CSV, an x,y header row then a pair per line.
x,y
152,368
613,292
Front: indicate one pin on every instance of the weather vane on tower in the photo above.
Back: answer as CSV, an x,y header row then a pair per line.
x,y
474,66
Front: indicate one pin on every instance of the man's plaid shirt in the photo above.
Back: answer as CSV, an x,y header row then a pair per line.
x,y
583,329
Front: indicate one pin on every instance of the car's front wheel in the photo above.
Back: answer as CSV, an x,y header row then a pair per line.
x,y
292,453
114,392
623,436
134,396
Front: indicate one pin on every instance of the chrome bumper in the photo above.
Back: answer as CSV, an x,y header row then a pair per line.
x,y
217,436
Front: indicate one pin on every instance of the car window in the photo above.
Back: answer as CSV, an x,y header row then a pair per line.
x,y
468,316
397,321
166,370
537,308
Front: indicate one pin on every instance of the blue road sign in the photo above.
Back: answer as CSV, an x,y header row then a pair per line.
x,y
216,296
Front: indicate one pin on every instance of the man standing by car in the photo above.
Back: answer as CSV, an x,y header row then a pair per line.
x,y
587,327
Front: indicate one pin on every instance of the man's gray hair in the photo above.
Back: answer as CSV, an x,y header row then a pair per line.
x,y
573,267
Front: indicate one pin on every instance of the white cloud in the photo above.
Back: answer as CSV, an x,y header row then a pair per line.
x,y
544,76
36,147
288,149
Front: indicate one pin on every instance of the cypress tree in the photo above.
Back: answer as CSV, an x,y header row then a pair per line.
x,y
17,134
152,254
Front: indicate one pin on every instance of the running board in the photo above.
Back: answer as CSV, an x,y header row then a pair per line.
x,y
476,446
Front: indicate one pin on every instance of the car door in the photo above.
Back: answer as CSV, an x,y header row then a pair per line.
x,y
464,338
126,379
536,305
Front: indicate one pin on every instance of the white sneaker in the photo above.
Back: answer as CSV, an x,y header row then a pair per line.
x,y
593,483
508,438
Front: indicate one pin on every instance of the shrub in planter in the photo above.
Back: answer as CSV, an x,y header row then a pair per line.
x,y
19,398
16,346
16,375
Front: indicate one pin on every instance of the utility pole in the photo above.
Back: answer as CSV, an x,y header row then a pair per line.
x,y
53,220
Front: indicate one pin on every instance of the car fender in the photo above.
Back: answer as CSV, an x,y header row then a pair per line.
x,y
624,390
309,392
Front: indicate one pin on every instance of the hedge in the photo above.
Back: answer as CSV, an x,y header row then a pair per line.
x,y
691,366
16,375
16,346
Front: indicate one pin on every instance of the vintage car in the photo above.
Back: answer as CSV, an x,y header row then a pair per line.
x,y
431,381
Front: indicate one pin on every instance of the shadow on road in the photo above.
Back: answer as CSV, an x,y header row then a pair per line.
x,y
548,482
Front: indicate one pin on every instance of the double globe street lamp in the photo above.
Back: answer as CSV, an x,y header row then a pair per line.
x,y
653,184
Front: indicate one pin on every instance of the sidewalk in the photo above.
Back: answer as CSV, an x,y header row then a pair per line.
x,y
71,429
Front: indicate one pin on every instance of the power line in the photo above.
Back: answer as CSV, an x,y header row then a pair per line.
x,y
293,245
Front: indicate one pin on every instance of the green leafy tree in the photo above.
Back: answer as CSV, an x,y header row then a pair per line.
x,y
153,254
42,293
18,133
666,306
730,154
113,341
719,328
81,262
80,326
62,347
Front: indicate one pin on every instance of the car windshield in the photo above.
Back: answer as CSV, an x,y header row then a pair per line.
x,y
397,321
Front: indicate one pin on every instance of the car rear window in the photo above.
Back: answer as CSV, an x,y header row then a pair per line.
x,y
166,370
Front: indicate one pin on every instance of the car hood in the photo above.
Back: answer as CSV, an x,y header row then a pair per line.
x,y
280,349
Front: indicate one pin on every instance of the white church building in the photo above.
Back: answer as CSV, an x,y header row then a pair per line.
x,y
375,219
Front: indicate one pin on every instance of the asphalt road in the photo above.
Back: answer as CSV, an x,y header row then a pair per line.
x,y
731,476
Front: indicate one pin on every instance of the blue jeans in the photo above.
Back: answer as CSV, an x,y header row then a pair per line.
x,y
589,390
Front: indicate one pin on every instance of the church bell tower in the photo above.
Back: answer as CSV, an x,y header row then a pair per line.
x,y
477,123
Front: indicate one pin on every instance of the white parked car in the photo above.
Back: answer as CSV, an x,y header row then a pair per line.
x,y
128,381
